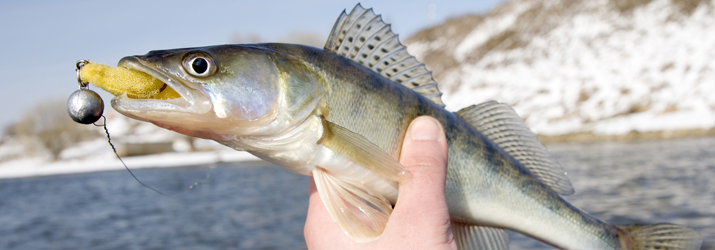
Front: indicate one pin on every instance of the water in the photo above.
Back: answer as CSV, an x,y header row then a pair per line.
x,y
260,206
667,181
246,207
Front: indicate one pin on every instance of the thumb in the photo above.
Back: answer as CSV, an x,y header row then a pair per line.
x,y
421,204
424,155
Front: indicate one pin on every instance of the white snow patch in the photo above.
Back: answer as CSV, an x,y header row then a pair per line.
x,y
488,28
29,167
597,70
17,160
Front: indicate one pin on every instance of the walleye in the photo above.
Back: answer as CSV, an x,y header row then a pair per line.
x,y
340,114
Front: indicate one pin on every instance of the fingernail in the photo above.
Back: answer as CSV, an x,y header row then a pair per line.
x,y
424,129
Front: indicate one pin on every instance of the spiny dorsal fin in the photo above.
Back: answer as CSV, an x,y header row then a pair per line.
x,y
501,125
363,37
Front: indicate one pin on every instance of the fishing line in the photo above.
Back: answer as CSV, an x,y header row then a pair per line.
x,y
86,107
114,149
104,125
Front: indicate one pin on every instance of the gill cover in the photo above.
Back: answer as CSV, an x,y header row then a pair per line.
x,y
242,84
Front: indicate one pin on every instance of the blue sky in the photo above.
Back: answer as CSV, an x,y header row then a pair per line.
x,y
41,40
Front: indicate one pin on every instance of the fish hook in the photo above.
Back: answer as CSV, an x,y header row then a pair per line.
x,y
80,64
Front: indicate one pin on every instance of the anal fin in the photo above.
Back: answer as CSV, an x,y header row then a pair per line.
x,y
479,237
361,214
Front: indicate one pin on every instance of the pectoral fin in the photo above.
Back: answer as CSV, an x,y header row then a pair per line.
x,y
360,150
362,215
478,237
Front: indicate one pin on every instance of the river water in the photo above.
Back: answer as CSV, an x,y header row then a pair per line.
x,y
261,206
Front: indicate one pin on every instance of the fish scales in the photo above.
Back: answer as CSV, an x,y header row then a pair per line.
x,y
477,171
337,115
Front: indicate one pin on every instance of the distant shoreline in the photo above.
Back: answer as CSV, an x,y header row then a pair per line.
x,y
34,167
632,136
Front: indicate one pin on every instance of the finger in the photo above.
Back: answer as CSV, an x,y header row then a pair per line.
x,y
421,202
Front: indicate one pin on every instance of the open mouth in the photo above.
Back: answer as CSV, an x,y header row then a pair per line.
x,y
165,92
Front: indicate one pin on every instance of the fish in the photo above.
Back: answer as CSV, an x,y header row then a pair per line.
x,y
340,114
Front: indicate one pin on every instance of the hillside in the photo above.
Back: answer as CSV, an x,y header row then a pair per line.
x,y
583,69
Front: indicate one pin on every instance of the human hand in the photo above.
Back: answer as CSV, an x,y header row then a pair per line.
x,y
420,219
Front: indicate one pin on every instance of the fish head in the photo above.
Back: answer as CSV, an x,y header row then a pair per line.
x,y
225,91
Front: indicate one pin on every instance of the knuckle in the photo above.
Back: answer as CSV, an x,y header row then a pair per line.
x,y
423,162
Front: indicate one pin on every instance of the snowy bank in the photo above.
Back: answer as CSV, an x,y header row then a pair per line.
x,y
30,167
582,67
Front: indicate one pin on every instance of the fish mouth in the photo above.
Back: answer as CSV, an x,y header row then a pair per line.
x,y
191,100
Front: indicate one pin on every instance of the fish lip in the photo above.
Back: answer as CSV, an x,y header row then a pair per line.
x,y
190,101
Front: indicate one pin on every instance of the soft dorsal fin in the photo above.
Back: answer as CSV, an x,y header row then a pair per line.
x,y
363,37
501,125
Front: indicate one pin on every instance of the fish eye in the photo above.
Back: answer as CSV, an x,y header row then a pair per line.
x,y
199,64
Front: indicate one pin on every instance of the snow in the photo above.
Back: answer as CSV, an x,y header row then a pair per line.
x,y
487,29
647,122
29,167
596,70
24,157
592,70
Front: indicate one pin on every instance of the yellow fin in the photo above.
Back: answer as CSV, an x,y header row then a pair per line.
x,y
134,83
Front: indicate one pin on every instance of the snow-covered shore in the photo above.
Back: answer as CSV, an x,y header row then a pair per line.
x,y
27,157
575,71
581,67
31,167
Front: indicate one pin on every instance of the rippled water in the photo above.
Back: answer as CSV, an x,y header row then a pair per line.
x,y
260,206
246,207
667,181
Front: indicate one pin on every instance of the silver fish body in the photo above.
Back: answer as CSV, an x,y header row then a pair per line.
x,y
317,112
484,186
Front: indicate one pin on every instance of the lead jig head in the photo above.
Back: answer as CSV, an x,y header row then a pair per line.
x,y
84,105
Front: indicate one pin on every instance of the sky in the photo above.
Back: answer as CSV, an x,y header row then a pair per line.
x,y
42,40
